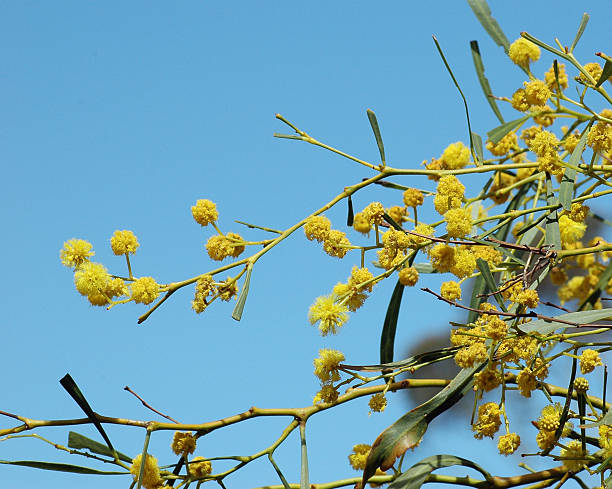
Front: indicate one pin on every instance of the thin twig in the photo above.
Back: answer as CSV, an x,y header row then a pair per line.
x,y
145,404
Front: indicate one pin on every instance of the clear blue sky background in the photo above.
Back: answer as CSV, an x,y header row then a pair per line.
x,y
120,115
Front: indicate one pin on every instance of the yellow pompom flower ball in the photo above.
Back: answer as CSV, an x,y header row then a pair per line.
x,y
451,290
145,290
589,359
408,276
151,478
199,467
413,197
183,443
205,212
507,444
458,222
455,156
328,314
124,242
358,458
522,52
76,252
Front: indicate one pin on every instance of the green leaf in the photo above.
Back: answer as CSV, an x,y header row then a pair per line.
x,y
424,268
530,226
553,235
415,476
390,220
483,14
69,384
545,327
491,286
605,74
78,441
497,134
376,129
450,72
478,289
420,359
566,189
387,338
239,308
477,141
351,215
408,430
583,23
484,82
75,469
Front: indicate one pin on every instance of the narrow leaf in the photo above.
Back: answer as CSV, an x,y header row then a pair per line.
x,y
605,74
483,14
553,235
566,189
478,288
450,72
387,338
376,130
424,268
237,312
477,141
497,134
583,23
69,384
351,215
75,469
78,441
484,82
545,327
392,222
415,476
408,430
491,286
415,360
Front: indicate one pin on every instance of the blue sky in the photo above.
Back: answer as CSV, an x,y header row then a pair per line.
x,y
120,115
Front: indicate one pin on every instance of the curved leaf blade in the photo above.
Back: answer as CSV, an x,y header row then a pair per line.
x,y
496,135
75,469
239,308
350,217
387,338
484,81
583,23
408,430
553,235
415,476
376,130
483,14
545,327
78,441
566,189
605,74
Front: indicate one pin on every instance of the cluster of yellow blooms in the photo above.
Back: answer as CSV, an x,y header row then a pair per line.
x,y
493,341
183,444
93,281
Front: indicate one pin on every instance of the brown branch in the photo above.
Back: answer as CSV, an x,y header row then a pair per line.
x,y
552,304
531,314
145,404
